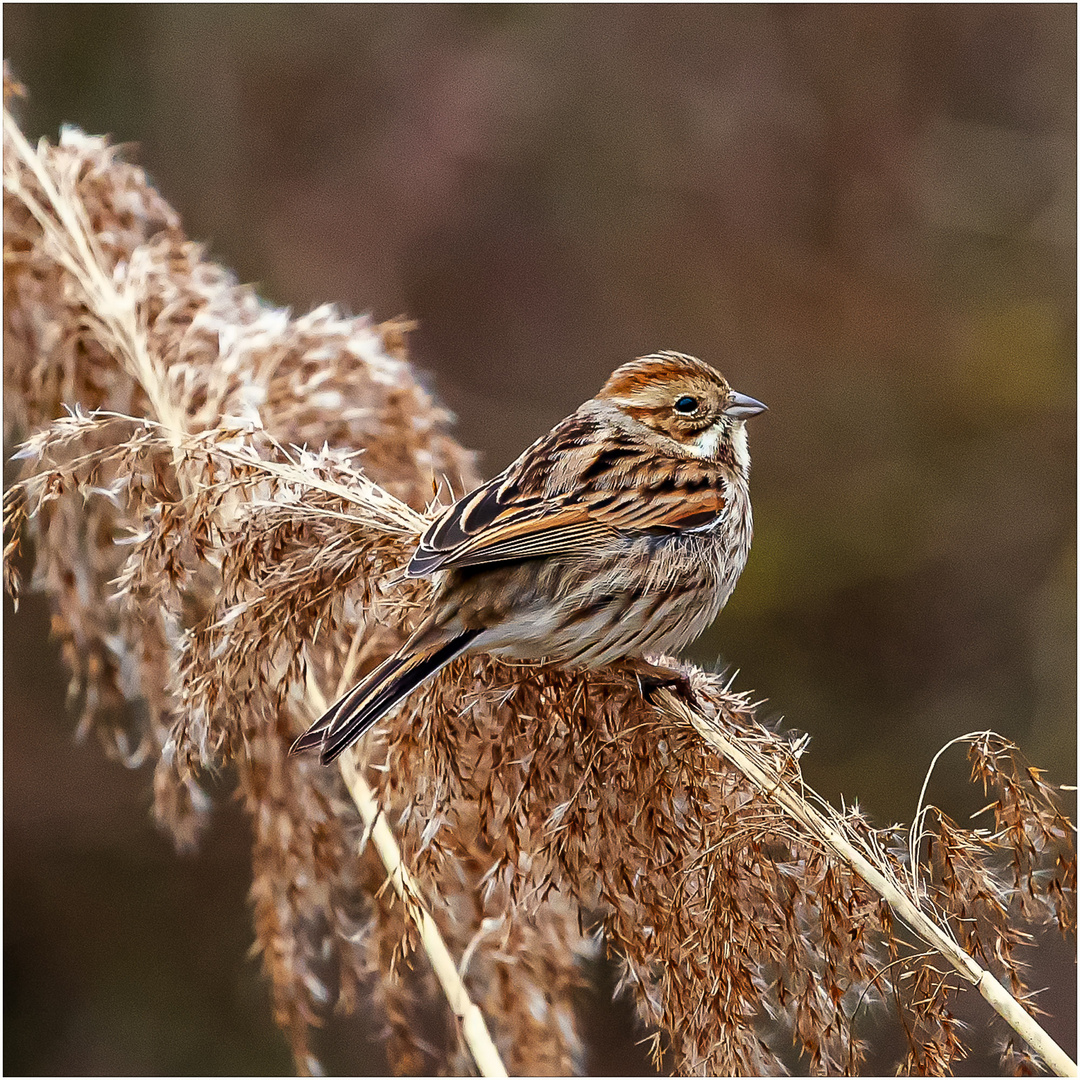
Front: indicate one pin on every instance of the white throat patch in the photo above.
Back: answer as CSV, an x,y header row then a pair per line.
x,y
704,446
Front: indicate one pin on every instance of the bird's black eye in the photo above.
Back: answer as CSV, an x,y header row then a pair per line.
x,y
686,405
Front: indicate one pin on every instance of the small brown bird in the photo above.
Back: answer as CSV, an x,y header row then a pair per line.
x,y
620,533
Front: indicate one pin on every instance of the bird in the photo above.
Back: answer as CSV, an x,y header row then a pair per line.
x,y
619,535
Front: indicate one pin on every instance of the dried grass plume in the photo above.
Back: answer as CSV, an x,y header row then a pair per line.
x,y
220,500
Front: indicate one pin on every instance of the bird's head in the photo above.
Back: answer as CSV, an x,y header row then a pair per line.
x,y
686,400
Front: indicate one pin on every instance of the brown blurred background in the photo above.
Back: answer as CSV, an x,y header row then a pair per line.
x,y
864,215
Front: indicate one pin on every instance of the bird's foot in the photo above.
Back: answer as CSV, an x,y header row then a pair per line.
x,y
651,678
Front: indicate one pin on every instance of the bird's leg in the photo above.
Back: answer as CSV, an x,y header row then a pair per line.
x,y
652,677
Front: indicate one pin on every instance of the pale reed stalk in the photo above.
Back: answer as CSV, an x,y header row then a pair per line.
x,y
474,1027
769,781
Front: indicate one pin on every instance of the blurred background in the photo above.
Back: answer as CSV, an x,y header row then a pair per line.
x,y
864,215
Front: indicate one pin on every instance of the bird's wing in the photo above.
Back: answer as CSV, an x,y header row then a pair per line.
x,y
606,491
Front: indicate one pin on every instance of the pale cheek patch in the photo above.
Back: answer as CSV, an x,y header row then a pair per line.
x,y
705,445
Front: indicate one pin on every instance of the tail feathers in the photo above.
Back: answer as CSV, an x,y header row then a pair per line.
x,y
345,721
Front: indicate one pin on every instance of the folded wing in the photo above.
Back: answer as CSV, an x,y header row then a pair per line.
x,y
607,492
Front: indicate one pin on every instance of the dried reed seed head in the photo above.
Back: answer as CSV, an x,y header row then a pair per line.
x,y
527,797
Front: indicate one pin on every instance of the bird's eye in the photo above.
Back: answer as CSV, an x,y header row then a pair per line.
x,y
686,405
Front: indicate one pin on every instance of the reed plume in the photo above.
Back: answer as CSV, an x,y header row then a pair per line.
x,y
221,500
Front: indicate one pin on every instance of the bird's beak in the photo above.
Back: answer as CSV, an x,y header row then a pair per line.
x,y
740,406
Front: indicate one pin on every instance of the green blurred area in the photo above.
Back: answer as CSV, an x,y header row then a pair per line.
x,y
864,215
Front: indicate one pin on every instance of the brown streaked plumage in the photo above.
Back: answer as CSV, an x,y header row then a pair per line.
x,y
619,534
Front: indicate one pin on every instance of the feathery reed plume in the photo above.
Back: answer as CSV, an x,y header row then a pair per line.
x,y
217,579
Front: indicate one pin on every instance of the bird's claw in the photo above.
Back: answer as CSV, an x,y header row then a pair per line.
x,y
650,683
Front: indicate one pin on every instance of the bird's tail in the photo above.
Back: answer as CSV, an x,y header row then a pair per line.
x,y
345,721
